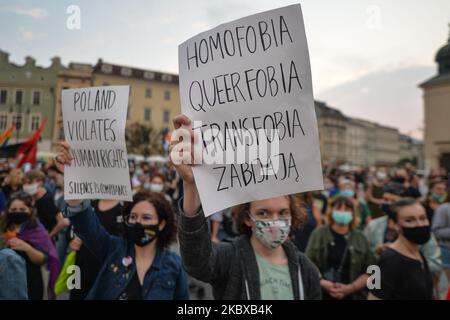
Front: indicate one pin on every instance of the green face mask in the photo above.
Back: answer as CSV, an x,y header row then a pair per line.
x,y
440,198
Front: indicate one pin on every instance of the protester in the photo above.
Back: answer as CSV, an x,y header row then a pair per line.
x,y
374,193
261,263
24,234
13,182
110,216
46,210
301,236
408,181
405,273
441,229
139,265
341,252
382,231
347,189
13,276
436,196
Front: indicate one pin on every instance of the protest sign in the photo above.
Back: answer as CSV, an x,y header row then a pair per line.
x,y
94,126
248,84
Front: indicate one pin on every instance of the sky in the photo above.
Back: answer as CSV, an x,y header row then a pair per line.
x,y
367,57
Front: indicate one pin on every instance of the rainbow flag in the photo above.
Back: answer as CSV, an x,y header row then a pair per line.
x,y
5,136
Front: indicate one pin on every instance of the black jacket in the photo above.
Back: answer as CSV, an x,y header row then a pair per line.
x,y
232,269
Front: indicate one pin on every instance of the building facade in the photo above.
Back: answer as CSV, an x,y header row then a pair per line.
x,y
77,75
436,96
387,145
411,150
356,143
332,133
27,97
154,96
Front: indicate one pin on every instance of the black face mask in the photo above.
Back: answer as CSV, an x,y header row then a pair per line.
x,y
399,179
18,217
142,235
417,235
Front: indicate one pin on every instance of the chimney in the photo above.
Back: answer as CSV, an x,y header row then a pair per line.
x,y
30,61
4,56
56,62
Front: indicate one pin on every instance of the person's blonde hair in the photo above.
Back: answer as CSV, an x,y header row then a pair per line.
x,y
339,202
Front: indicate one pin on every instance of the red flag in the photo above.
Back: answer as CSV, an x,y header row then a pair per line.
x,y
29,147
29,157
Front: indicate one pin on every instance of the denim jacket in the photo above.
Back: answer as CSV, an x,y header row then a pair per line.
x,y
13,276
165,280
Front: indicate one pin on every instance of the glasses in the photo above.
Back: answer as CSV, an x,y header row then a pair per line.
x,y
144,219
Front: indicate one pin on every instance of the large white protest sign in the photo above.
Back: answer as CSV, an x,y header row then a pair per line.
x,y
94,126
251,78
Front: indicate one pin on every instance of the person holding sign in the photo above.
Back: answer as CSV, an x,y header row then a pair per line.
x,y
138,266
261,263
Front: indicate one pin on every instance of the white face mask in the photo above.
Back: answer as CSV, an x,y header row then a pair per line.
x,y
155,187
381,175
31,189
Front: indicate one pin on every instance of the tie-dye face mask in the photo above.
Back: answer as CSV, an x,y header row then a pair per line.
x,y
142,235
272,233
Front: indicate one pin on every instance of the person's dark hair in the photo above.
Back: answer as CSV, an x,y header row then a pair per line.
x,y
241,212
348,204
164,211
400,204
431,185
5,224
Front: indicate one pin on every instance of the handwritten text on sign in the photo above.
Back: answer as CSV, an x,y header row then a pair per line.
x,y
94,126
252,78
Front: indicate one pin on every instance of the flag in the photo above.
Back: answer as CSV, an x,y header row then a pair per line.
x,y
5,136
28,149
10,151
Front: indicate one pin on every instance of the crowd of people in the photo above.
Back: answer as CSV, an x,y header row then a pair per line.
x,y
313,245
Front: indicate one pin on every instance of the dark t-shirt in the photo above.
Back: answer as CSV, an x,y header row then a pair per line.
x,y
89,265
336,253
35,281
403,278
47,211
133,291
335,257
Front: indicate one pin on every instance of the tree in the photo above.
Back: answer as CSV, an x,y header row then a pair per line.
x,y
144,140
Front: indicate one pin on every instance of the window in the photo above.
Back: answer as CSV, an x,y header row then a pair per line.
x,y
149,75
147,114
106,68
17,119
166,77
148,93
126,72
34,122
166,116
19,97
36,98
3,122
3,96
167,95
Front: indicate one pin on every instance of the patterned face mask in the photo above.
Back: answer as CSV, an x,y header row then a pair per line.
x,y
272,233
